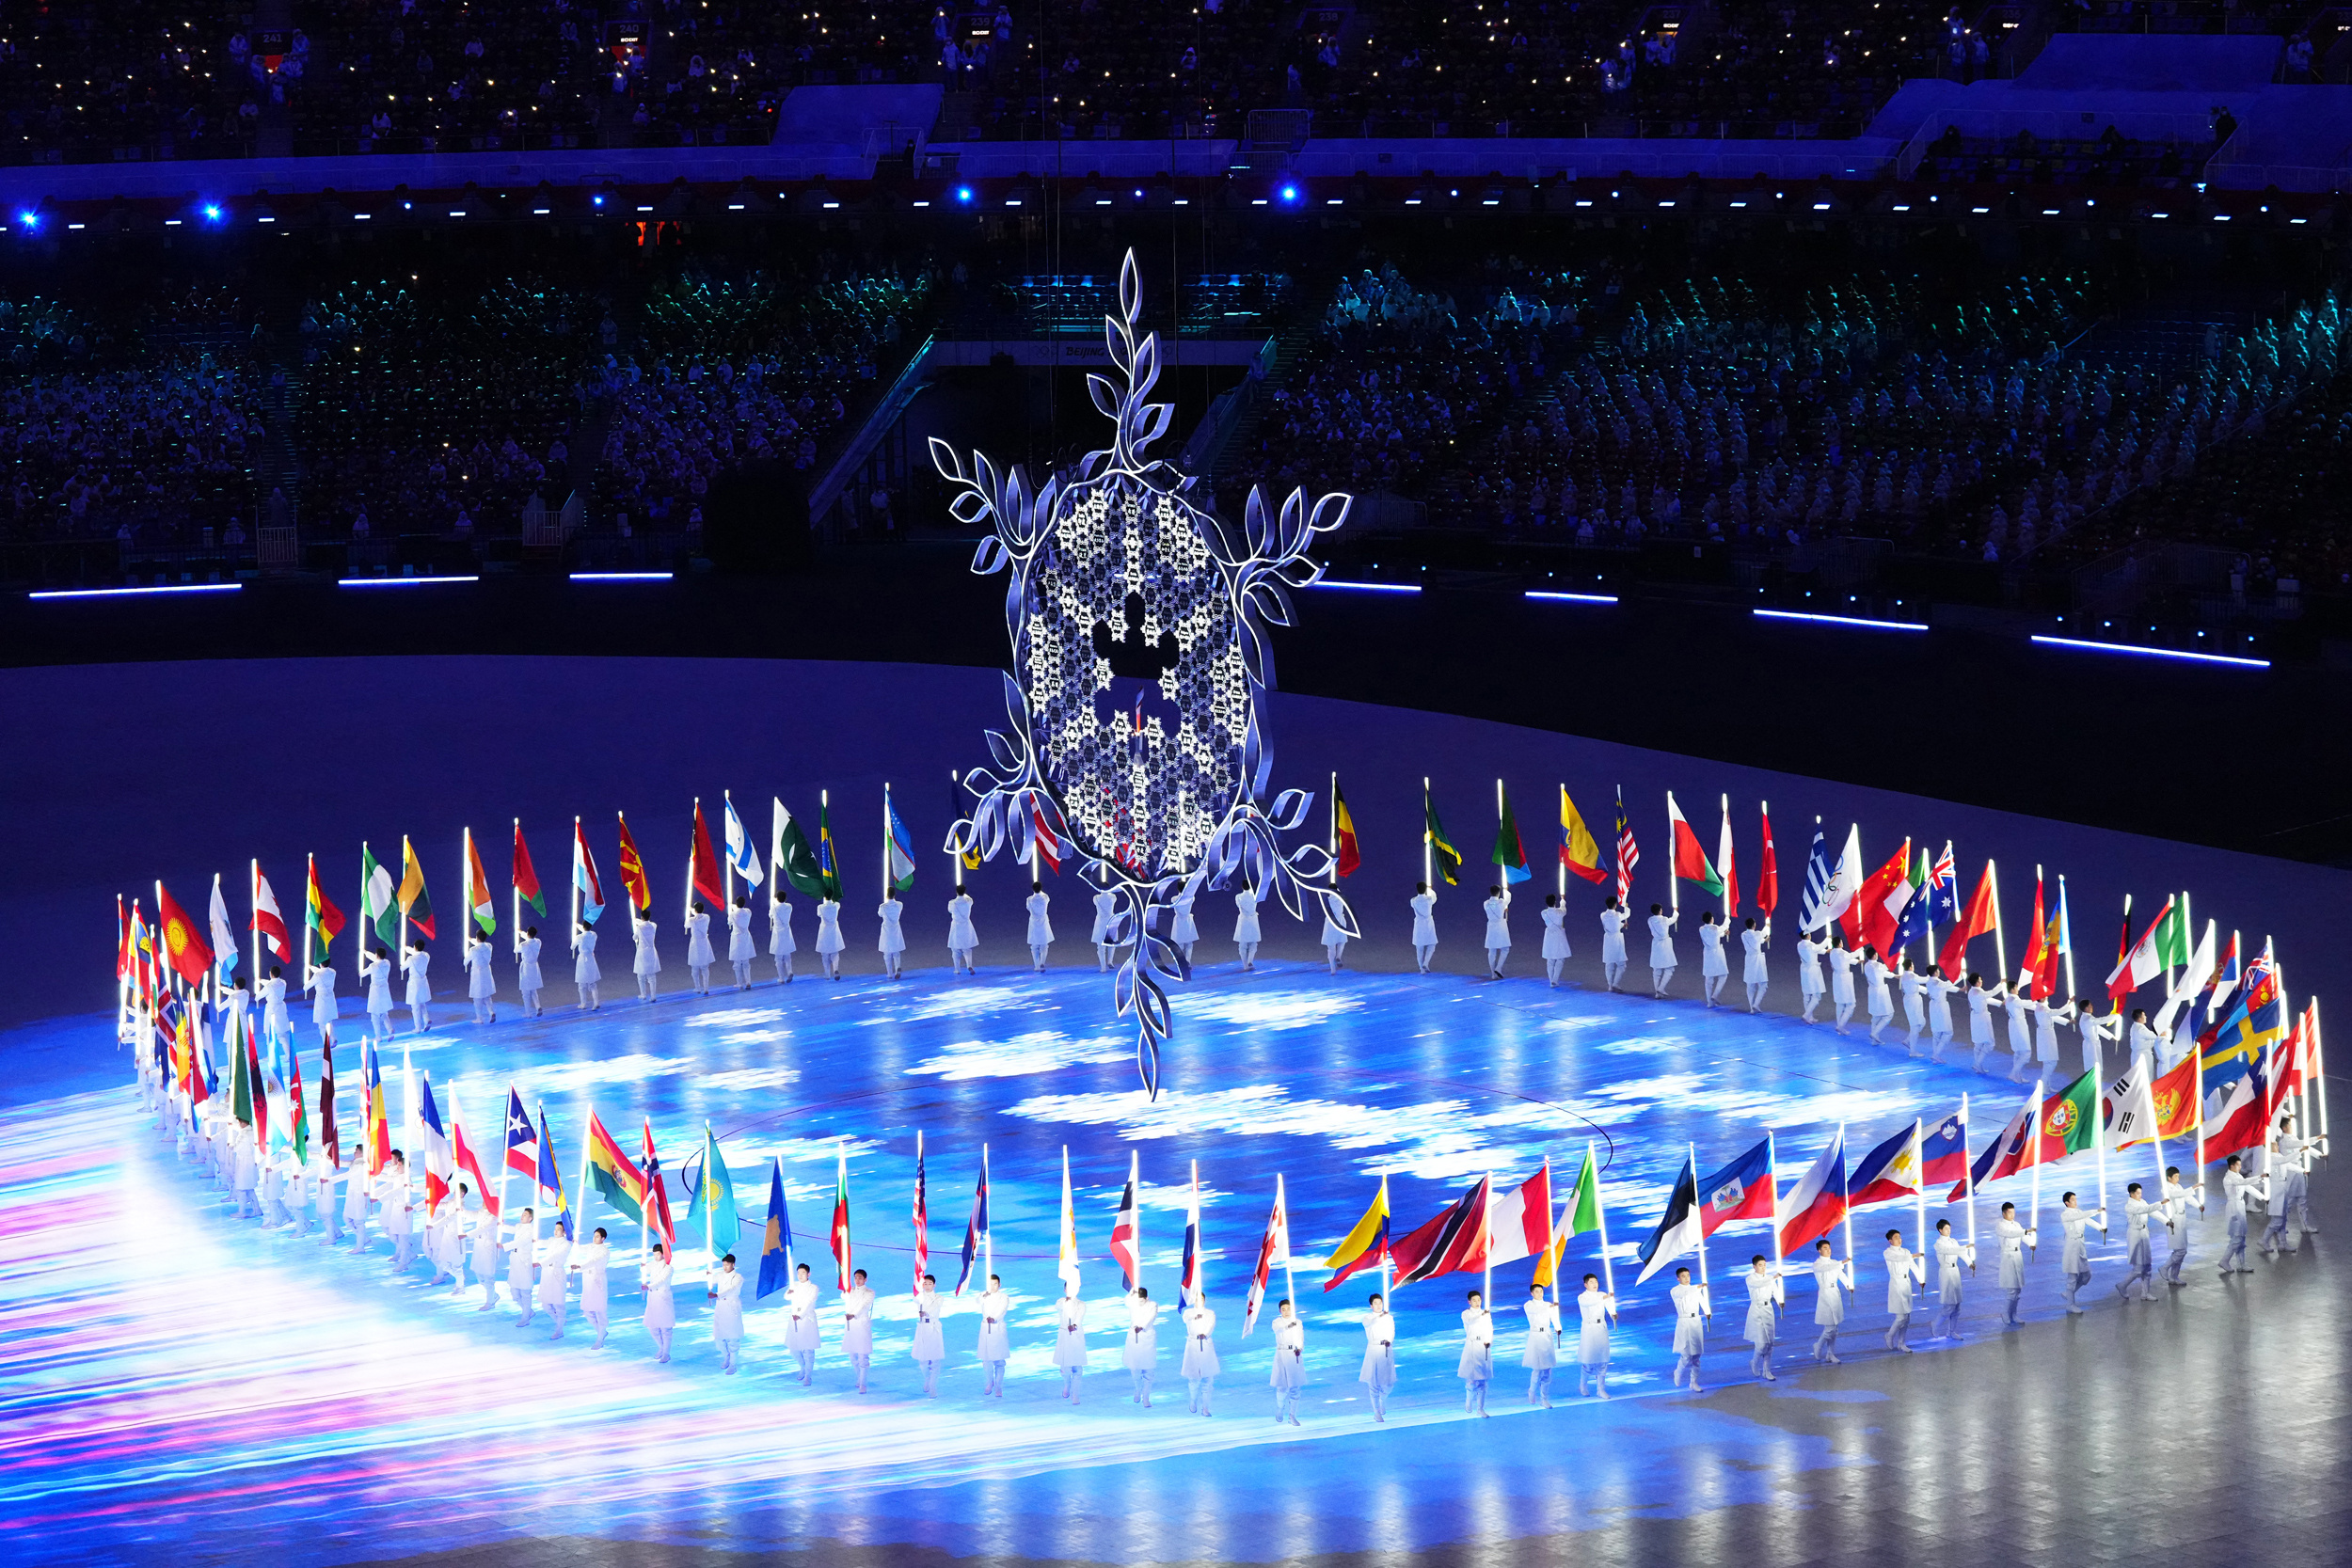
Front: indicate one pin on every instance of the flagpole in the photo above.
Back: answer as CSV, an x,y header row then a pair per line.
x,y
726,860
514,921
1486,1244
711,1149
1563,867
1930,891
506,1172
1771,1174
1692,1149
2319,1077
253,904
692,847
403,955
2066,937
1600,1212
1428,857
988,1237
1335,827
1845,1175
885,853
2000,944
955,862
580,1219
1290,1286
1552,1233
1674,898
408,1108
465,889
575,842
1919,1157
1968,1167
359,919
2033,1140
2099,1133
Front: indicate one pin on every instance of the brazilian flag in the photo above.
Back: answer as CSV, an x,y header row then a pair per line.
x,y
1441,851
828,863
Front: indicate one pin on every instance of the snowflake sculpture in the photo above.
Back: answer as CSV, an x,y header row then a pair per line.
x,y
1140,662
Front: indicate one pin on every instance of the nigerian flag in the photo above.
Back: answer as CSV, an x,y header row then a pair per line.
x,y
377,906
2070,1120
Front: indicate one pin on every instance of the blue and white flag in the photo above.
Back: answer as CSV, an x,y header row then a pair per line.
x,y
739,851
224,937
1813,915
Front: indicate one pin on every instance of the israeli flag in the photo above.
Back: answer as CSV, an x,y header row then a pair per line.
x,y
739,851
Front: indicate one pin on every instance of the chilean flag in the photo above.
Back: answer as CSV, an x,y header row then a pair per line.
x,y
1743,1190
1127,1229
1818,1201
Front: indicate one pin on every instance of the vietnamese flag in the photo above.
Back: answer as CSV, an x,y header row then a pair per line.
x,y
704,871
183,944
633,872
1973,922
526,877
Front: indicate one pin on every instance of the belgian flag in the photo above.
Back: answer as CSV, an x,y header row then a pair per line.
x,y
1344,848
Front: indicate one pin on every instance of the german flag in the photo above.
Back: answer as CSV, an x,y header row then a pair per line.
x,y
1343,833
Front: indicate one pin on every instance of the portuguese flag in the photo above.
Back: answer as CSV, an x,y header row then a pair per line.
x,y
1690,858
613,1176
2070,1120
1344,847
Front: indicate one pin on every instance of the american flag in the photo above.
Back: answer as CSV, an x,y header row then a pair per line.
x,y
1628,855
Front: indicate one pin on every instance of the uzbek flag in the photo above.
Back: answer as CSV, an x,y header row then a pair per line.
x,y
901,847
1344,848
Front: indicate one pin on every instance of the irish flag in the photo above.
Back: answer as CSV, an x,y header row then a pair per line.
x,y
1690,858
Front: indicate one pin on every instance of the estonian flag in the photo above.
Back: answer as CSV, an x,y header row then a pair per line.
x,y
1678,1228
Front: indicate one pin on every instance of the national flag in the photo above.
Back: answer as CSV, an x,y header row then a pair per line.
x,y
712,1207
613,1176
2252,1019
378,1124
2010,1150
241,1096
525,876
1510,854
741,854
1364,1248
478,902
901,847
584,879
703,873
2163,944
2178,1105
957,805
1273,1247
1845,882
2070,1119
922,1218
2290,1063
297,1119
794,860
2196,975
1452,1241
1911,926
657,1194
1894,1169
1818,1200
1578,1216
1724,866
1814,913
2045,947
1943,1149
828,863
327,1107
976,1227
1943,886
268,920
1976,920
1188,1269
468,1159
1869,918
1768,870
1051,845
1520,1225
2239,1119
522,1139
552,1180
186,950
415,907
1443,855
1629,853
1066,1248
1745,1189
840,1228
2128,1107
249,1053
1346,854
775,1242
122,940
1578,851
1678,1228
378,898
441,1157
224,934
1127,1226
1690,860
633,880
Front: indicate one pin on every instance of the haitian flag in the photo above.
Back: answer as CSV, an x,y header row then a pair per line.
x,y
1743,1190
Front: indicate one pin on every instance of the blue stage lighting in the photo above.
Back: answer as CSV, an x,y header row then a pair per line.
x,y
1288,193
213,212
963,193
29,219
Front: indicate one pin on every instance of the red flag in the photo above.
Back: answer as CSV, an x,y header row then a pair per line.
x,y
1768,877
657,1196
1865,918
122,940
183,944
1975,920
526,875
1453,1241
1273,1247
705,871
2242,1120
840,1236
633,872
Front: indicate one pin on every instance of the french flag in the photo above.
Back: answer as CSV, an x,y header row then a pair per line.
x,y
1818,1201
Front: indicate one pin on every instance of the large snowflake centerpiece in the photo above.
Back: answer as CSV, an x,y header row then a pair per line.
x,y
1140,662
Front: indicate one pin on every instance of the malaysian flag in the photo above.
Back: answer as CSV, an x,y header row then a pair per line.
x,y
1628,855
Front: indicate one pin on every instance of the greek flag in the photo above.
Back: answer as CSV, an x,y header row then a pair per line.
x,y
1816,883
739,851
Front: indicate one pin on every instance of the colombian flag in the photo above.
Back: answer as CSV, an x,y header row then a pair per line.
x,y
1364,1248
1578,851
1343,833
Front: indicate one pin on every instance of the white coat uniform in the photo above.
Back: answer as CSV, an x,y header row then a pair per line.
x,y
698,950
480,981
1898,1279
780,943
2012,1237
2044,1033
857,1314
1040,928
323,1004
1763,1324
2136,1212
1841,962
1143,1349
2020,1026
584,971
1661,941
1069,1334
1106,915
1829,1294
740,947
995,1334
1809,955
1915,998
2075,1250
1948,1259
1246,916
1478,1345
894,937
1612,936
1556,935
1714,960
930,1343
829,926
1690,1319
485,1247
1332,935
1379,1365
1201,1341
649,952
273,1019
1497,921
555,1270
596,1279
380,974
1752,968
726,1313
1185,930
415,966
1939,993
1425,919
661,1306
1592,1335
521,1258
395,1203
1981,1019
961,935
1874,976
527,975
802,1326
1290,1354
1542,1351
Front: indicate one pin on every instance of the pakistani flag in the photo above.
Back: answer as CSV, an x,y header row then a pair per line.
x,y
796,863
377,906
706,1176
2070,1120
1510,854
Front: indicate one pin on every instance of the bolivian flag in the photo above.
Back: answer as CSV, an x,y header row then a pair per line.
x,y
612,1174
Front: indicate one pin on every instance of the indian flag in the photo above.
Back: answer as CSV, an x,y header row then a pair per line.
x,y
613,1175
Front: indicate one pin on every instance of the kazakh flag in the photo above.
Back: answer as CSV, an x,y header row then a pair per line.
x,y
1510,854
714,1195
1581,1216
2070,1120
1447,858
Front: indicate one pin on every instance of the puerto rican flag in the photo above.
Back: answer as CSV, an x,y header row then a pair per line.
x,y
1127,1229
522,1139
1818,1201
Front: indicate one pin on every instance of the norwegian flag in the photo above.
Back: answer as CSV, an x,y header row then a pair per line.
x,y
1127,1229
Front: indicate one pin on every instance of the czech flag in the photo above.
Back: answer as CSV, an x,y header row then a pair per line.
x,y
1818,1201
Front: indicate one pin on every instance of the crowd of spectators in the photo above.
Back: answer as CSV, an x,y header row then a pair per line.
x,y
450,75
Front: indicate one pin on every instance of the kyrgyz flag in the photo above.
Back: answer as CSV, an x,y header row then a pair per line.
x,y
1579,850
633,872
183,944
1344,847
2070,1119
415,907
1447,858
526,876
1690,859
478,889
1510,854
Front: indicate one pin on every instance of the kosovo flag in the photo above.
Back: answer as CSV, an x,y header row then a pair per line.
x,y
776,1246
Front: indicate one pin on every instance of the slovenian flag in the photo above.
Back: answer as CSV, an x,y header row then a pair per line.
x,y
1818,1201
1943,1149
